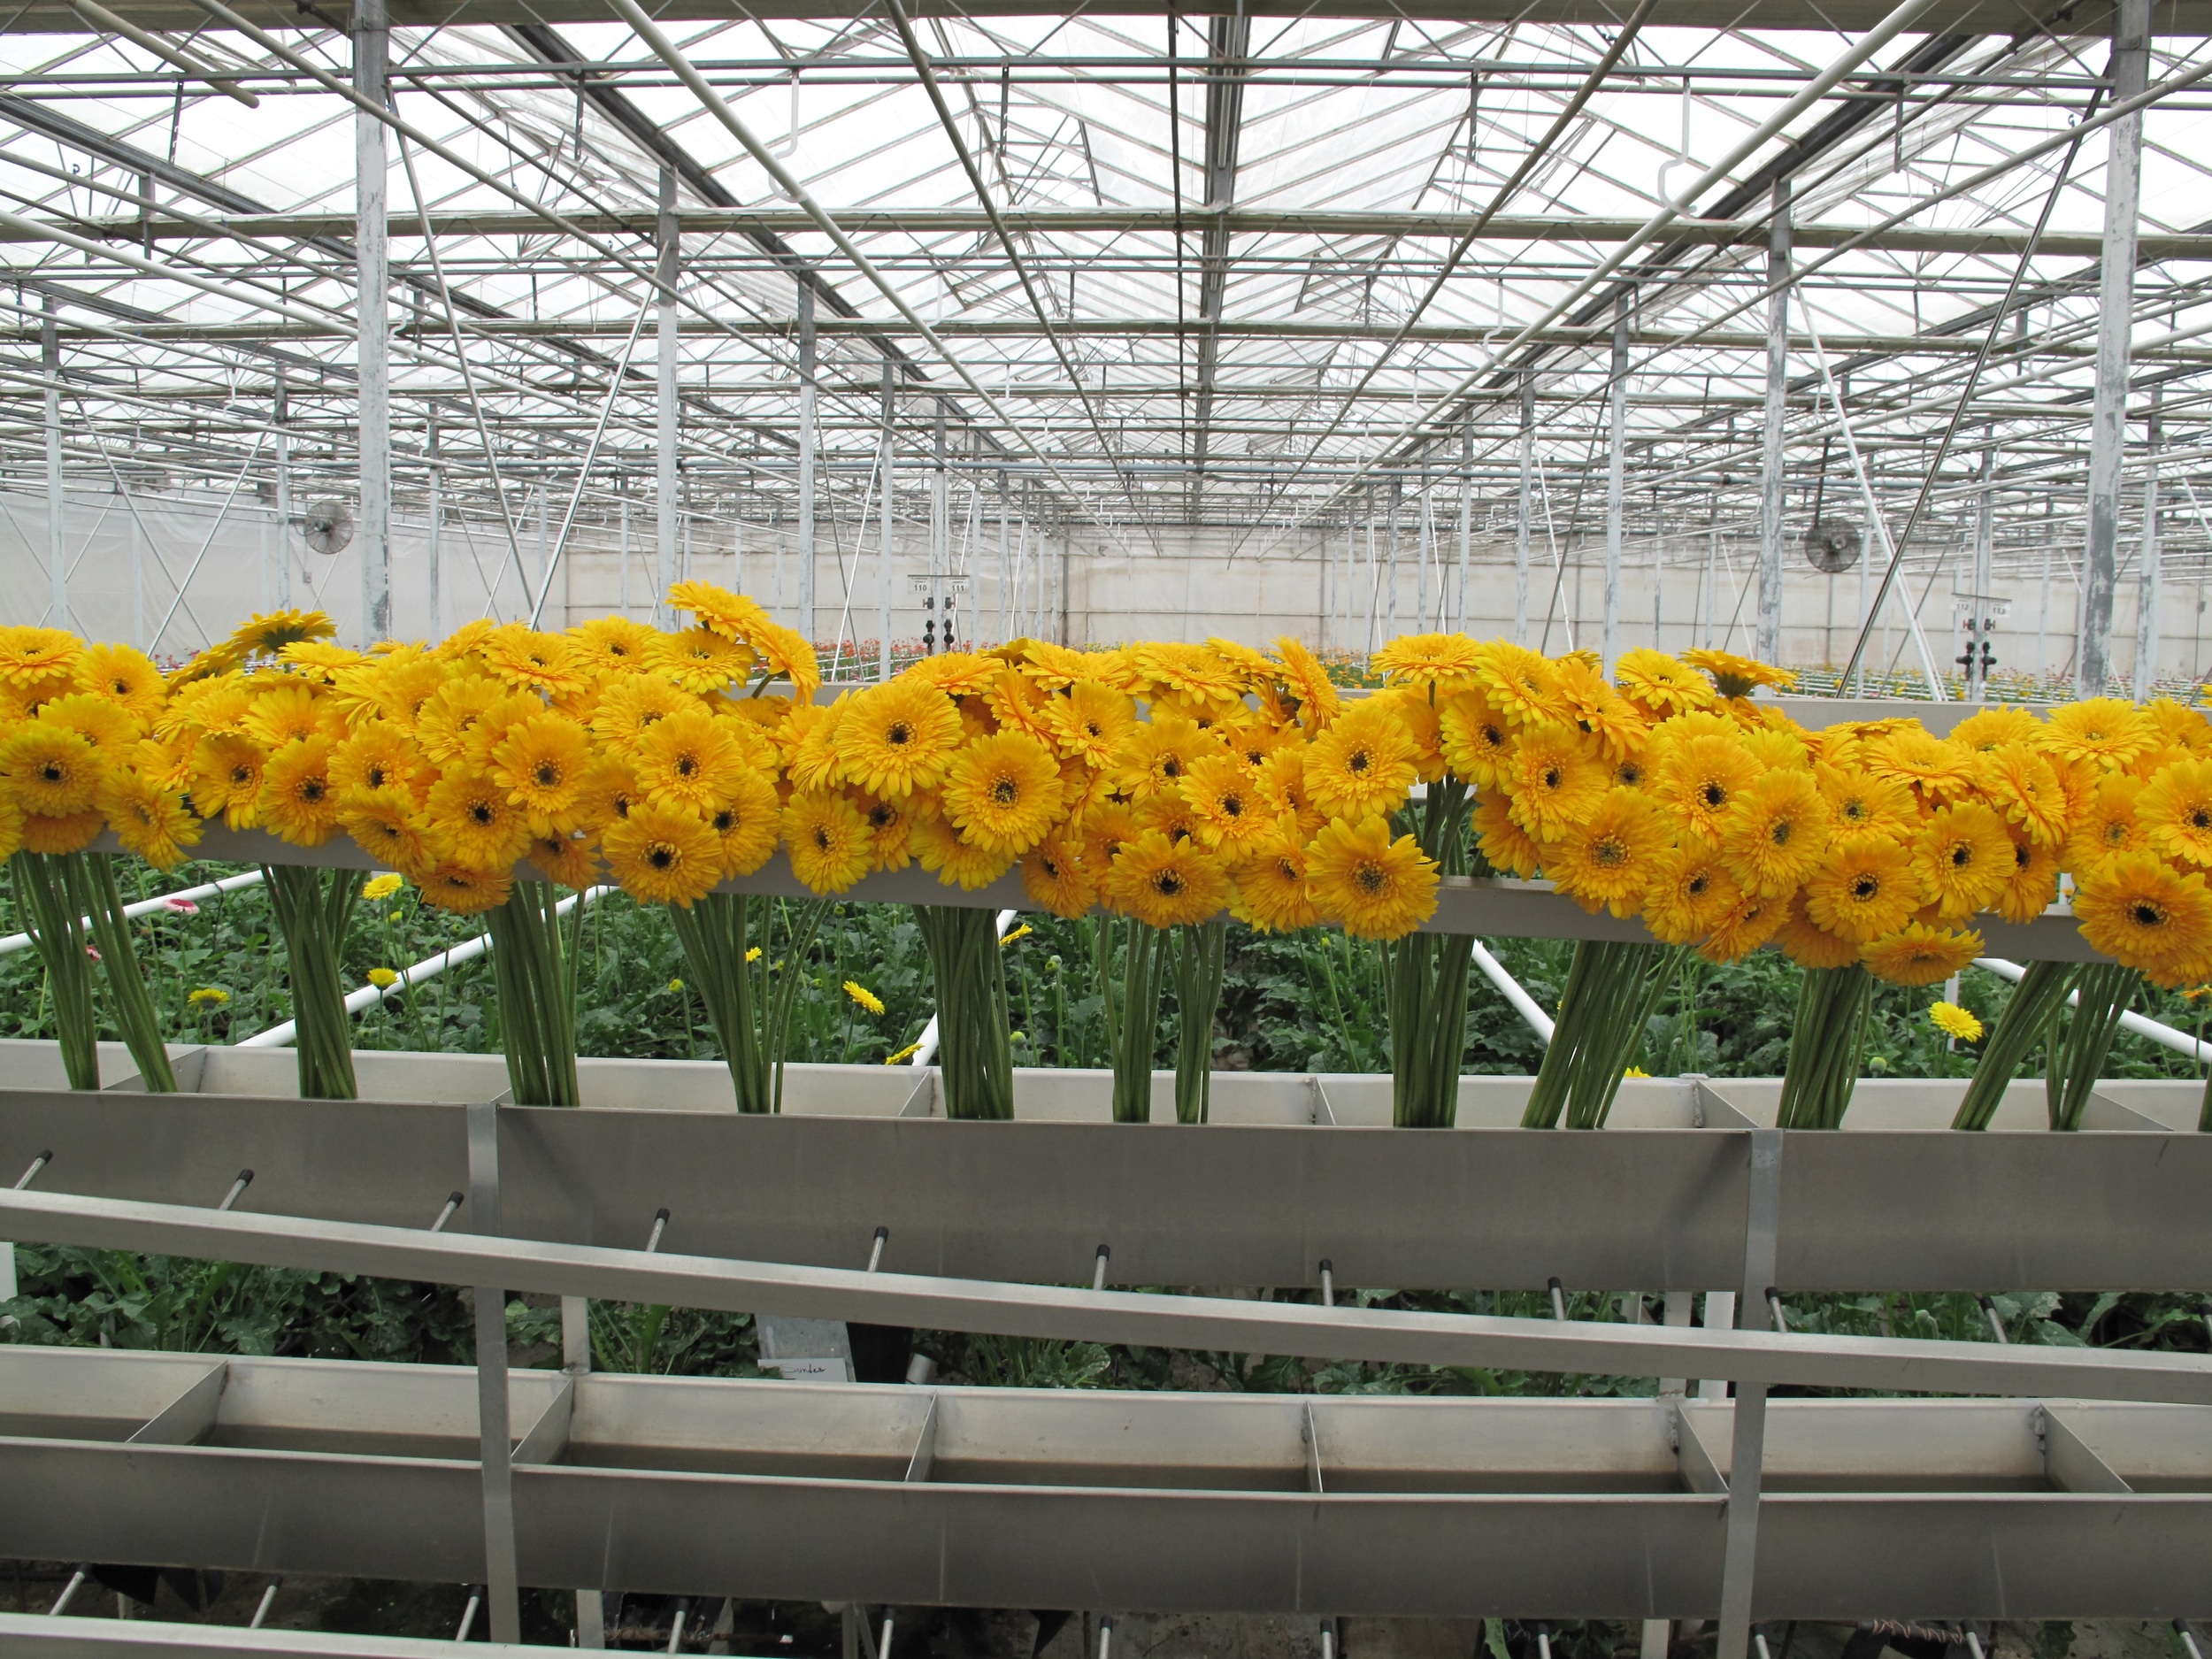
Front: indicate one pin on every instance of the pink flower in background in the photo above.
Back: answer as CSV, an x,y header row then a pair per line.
x,y
182,907
93,952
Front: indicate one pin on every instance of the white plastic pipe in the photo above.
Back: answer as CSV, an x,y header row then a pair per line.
x,y
925,1050
147,907
2164,1036
427,969
1509,987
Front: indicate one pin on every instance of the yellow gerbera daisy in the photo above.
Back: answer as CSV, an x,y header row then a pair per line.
x,y
30,654
2102,731
380,756
1661,685
2023,786
2176,808
663,853
1194,673
563,859
733,616
1993,728
2141,910
1811,946
1002,792
952,860
612,642
1751,922
689,759
1608,860
1699,778
1375,887
2108,822
898,737
1735,676
1964,856
1163,882
1775,833
523,659
1522,685
1054,876
1953,1021
1443,662
1940,770
298,800
464,891
1503,843
2028,890
474,822
828,841
1690,892
1269,889
1091,722
542,763
1226,799
700,659
1364,764
148,819
387,824
1917,954
270,631
748,823
50,770
226,778
70,835
1312,694
1865,803
125,676
1866,887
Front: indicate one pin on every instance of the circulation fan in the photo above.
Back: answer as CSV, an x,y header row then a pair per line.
x,y
1831,546
327,527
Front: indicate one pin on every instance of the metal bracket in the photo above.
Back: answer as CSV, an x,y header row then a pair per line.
x,y
191,1416
1323,1112
917,1466
547,1437
502,1591
2070,1463
1311,1435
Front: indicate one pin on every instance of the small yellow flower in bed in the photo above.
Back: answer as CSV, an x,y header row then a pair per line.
x,y
864,996
383,979
906,1053
753,955
382,885
209,996
1953,1021
1023,931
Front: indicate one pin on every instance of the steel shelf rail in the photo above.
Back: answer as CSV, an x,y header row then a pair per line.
x,y
1264,1197
1064,1498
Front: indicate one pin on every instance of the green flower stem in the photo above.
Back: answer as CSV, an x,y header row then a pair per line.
x,y
1612,988
974,1057
534,969
1198,951
2078,1058
1827,1040
90,877
748,1004
1425,978
313,910
2034,1004
1132,1018
55,925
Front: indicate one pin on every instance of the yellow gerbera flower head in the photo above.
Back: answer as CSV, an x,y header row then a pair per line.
x,y
1269,889
733,616
1163,882
474,822
610,789
690,759
1993,728
1699,778
1194,674
1253,734
1438,662
542,763
1158,752
1775,833
1953,1021
1503,843
862,996
1553,779
2178,724
446,720
1811,946
1476,737
298,800
700,659
379,888
2108,822
1054,876
1091,722
283,709
1002,792
828,841
1521,684
464,891
108,727
1054,667
1735,676
1690,892
387,824
2141,910
748,824
1228,802
126,677
208,996
50,770
1364,764
270,631
1661,685
952,860
2020,782
383,979
663,853
2102,731
898,737
226,778
1751,922
147,818
614,643
522,659
380,756
1965,857
1306,683
1939,769
1865,803
2176,808
1283,781
31,654
1866,887
1917,954
629,704
1606,860
1375,887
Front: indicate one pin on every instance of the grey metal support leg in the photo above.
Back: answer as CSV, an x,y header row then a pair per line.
x,y
1748,1449
495,1441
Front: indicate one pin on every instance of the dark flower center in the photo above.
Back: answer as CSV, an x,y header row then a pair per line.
x,y
1005,791
1554,777
662,857
1372,877
1780,834
1714,796
1865,888
1167,884
1359,761
2147,914
53,772
547,774
821,838
1961,855
899,733
311,791
483,812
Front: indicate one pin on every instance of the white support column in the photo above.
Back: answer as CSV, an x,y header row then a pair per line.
x,y
1005,567
2147,595
622,490
1525,520
2115,302
805,549
1390,575
890,518
435,529
138,570
373,317
665,432
282,412
56,555
1466,515
1981,609
939,528
1768,645
1616,481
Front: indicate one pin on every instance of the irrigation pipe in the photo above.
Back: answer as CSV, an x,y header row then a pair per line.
x,y
2164,1036
1509,987
147,907
926,1048
429,968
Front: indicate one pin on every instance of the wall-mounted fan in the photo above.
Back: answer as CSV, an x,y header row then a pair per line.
x,y
326,526
1832,546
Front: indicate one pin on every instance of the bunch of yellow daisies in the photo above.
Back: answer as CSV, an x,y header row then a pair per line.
x,y
1163,781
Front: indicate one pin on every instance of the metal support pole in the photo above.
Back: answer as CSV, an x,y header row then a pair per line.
x,y
2115,318
1005,569
1390,576
1981,612
495,1442
435,548
372,44
807,421
56,558
938,528
1525,520
1761,1224
2148,597
283,498
890,515
1466,515
138,570
1767,646
1615,494
670,240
